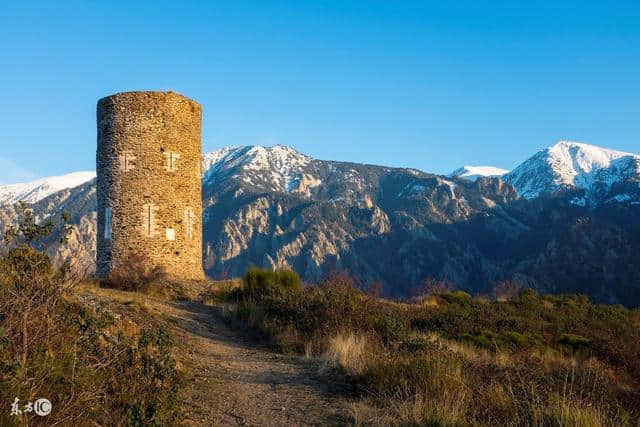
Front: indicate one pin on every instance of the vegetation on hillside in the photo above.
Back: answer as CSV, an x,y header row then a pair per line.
x,y
451,359
94,366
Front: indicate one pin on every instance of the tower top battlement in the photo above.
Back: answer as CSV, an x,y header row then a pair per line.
x,y
140,95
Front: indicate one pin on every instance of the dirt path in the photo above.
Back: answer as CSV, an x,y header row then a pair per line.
x,y
234,381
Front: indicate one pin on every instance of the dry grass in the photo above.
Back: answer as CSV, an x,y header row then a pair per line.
x,y
451,359
366,413
93,363
447,409
429,301
443,396
448,394
135,275
347,351
569,413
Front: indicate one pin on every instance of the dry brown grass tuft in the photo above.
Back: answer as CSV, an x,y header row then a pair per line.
x,y
426,408
564,412
135,275
348,351
365,413
429,301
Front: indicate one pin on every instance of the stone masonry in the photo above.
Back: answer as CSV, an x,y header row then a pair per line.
x,y
149,192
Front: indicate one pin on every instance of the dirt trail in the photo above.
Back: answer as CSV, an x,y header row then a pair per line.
x,y
234,381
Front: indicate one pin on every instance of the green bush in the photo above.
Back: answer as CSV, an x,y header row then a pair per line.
x,y
258,283
575,342
153,399
486,339
458,297
390,327
122,380
519,340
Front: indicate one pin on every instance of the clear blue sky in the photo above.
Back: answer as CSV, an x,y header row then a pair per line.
x,y
430,85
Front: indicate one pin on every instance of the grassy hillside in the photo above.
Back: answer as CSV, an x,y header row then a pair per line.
x,y
451,359
95,365
445,358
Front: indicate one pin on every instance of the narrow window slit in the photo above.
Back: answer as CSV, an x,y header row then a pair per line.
x,y
107,223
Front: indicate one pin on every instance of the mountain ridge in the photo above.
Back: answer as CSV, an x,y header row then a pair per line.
x,y
572,165
36,190
564,165
474,172
274,207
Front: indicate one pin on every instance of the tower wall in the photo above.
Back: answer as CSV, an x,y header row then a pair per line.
x,y
149,181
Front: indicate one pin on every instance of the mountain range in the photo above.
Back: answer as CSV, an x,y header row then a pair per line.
x,y
565,220
31,192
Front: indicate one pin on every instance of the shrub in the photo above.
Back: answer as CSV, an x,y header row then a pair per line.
x,y
53,345
506,290
152,397
575,342
486,339
519,340
347,352
431,286
391,328
219,292
258,283
136,275
458,297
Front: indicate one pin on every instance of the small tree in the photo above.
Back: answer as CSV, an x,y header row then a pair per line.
x,y
506,290
136,275
431,286
29,286
29,232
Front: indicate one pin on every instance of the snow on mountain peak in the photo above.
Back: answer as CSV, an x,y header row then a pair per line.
x,y
585,157
280,167
602,173
472,173
570,164
34,191
253,157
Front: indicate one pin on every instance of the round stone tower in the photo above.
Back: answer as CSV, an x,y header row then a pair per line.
x,y
149,182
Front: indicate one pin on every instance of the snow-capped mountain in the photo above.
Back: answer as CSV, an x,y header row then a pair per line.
x,y
599,173
274,207
472,173
603,175
284,166
37,190
282,169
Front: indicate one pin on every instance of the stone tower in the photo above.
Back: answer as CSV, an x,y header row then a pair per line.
x,y
149,182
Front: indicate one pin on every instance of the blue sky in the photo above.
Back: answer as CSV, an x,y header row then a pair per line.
x,y
430,85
